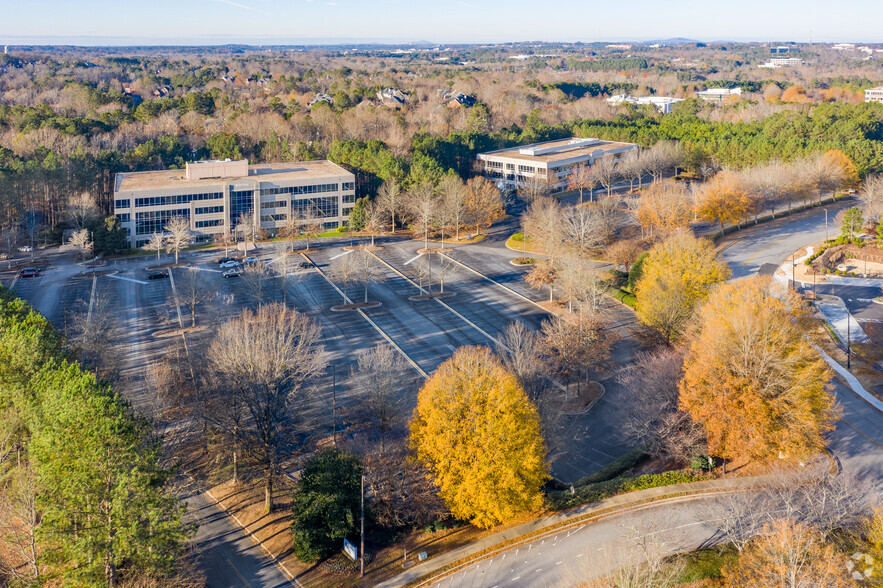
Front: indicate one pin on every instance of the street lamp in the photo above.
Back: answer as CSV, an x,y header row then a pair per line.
x,y
848,343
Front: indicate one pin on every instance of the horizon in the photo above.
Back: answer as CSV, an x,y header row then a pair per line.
x,y
396,22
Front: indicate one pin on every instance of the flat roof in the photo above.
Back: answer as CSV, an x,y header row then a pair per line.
x,y
551,151
263,172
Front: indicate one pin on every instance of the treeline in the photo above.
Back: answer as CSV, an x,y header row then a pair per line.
x,y
84,498
608,64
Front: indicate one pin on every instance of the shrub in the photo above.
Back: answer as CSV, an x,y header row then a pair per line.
x,y
601,490
637,270
524,260
518,237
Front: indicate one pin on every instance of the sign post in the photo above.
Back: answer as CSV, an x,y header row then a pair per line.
x,y
351,550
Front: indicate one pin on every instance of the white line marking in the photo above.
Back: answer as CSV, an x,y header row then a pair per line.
x,y
127,279
557,563
580,555
342,254
418,256
205,269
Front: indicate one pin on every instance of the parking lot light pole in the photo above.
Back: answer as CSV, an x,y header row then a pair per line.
x,y
848,343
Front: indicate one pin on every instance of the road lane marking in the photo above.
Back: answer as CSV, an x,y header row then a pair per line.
x,y
759,251
244,581
418,256
126,279
342,254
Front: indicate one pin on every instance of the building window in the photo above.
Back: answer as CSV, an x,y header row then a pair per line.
x,y
124,217
241,202
349,198
209,223
122,203
276,204
209,210
154,221
178,199
315,189
323,206
526,168
274,217
347,211
141,242
348,186
494,164
331,225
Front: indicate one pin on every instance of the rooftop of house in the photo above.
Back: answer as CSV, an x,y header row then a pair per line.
x,y
552,151
264,172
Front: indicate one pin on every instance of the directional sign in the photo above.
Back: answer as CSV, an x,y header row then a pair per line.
x,y
351,550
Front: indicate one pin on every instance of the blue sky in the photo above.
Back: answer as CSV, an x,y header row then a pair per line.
x,y
452,21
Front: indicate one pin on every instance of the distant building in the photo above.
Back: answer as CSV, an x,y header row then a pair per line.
x,y
777,62
553,161
662,103
874,94
321,98
392,97
779,50
459,99
843,46
215,195
718,94
619,46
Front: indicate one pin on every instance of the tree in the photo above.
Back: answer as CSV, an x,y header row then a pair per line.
x,y
492,467
309,222
581,178
875,543
343,271
453,196
789,553
20,522
533,188
103,500
723,200
366,269
624,253
380,374
543,275
375,218
578,342
484,204
654,421
422,206
179,234
255,277
9,236
677,276
357,214
634,166
851,222
665,206
81,241
751,378
265,358
848,175
389,198
325,504
543,223
584,227
157,242
193,291
871,196
827,173
605,172
81,211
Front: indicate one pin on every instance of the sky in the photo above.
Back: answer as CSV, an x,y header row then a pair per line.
x,y
116,22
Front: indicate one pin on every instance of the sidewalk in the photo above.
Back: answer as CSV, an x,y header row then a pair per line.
x,y
838,316
528,531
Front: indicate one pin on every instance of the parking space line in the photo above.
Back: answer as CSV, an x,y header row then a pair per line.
x,y
205,269
126,279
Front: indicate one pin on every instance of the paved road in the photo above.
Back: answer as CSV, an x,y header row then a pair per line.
x,y
228,557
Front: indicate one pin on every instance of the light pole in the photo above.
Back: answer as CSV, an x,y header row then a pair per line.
x,y
848,343
826,225
362,546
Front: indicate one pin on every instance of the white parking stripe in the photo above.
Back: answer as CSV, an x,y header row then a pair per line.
x,y
418,256
205,269
341,254
126,279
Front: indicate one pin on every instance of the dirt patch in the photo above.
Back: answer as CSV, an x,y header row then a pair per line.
x,y
167,333
581,397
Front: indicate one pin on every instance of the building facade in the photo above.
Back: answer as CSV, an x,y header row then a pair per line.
x,y
662,103
874,94
219,196
719,94
552,161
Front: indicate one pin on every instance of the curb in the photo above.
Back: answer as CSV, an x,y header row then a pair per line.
x,y
248,532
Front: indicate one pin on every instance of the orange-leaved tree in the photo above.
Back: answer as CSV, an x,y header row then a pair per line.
x,y
479,435
676,277
724,199
850,172
752,379
789,553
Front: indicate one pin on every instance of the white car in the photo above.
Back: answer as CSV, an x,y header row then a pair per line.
x,y
229,264
25,249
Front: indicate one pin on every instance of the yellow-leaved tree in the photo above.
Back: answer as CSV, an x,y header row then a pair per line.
x,y
752,379
479,434
850,172
724,199
676,277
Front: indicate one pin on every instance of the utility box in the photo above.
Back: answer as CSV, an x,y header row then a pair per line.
x,y
422,556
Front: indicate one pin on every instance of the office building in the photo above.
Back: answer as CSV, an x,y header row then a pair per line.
x,y
218,196
719,94
874,94
552,161
662,103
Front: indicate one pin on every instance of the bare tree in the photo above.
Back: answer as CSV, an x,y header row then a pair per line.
x,y
446,266
19,523
389,199
825,174
193,291
284,267
542,222
380,374
633,167
624,253
871,197
82,241
157,242
179,234
523,353
255,277
343,270
9,236
366,269
533,188
453,195
225,237
543,275
266,358
579,284
244,226
654,420
375,218
606,172
584,227
582,178
95,329
309,223
577,343
81,210
422,206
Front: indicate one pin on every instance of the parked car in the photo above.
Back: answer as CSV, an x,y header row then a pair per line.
x,y
250,261
233,272
29,272
229,264
305,265
157,275
226,260
25,249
